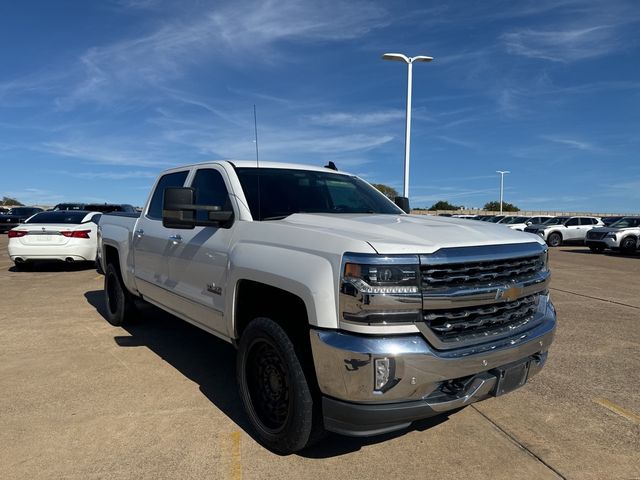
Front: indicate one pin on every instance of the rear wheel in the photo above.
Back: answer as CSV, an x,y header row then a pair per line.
x,y
554,240
596,249
275,392
119,304
628,245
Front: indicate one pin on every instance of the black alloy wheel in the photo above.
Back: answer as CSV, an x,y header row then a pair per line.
x,y
118,302
628,245
275,392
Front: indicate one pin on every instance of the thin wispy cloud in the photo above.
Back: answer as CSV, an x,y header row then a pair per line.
x,y
89,152
457,141
572,143
131,174
341,119
562,45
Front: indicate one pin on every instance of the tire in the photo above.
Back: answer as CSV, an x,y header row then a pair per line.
x,y
275,392
98,265
119,305
628,245
554,240
597,249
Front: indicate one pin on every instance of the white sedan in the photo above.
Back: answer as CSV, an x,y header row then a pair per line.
x,y
69,236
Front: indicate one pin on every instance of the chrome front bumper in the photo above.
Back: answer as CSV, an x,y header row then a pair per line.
x,y
344,366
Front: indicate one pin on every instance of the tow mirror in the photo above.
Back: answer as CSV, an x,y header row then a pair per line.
x,y
180,211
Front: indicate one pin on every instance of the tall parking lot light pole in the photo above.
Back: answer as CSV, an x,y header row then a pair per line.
x,y
502,174
399,57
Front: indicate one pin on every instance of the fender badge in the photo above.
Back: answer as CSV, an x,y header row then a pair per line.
x,y
509,294
211,287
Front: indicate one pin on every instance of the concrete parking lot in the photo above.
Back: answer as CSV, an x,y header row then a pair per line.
x,y
157,399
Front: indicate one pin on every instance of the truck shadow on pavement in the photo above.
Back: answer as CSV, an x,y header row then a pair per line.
x,y
210,362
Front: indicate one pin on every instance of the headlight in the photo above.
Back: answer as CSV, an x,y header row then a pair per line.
x,y
545,261
382,278
377,289
611,235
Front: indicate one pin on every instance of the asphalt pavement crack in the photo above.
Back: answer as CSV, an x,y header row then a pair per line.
x,y
517,443
595,298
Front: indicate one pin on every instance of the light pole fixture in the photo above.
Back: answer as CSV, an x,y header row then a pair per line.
x,y
502,174
399,57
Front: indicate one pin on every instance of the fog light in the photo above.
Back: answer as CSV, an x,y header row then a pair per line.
x,y
382,367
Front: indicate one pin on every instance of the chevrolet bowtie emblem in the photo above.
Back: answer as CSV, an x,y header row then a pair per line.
x,y
509,294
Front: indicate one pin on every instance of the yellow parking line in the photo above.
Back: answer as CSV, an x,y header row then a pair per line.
x,y
623,412
236,465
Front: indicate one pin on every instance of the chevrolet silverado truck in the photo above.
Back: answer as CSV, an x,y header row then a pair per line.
x,y
348,314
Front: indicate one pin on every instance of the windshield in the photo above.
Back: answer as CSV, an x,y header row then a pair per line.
x,y
72,217
496,219
556,221
515,220
284,192
626,222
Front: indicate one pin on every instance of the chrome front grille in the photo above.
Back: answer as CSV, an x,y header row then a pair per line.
x,y
454,325
478,273
596,235
478,294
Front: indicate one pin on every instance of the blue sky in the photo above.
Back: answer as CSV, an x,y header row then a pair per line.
x,y
97,97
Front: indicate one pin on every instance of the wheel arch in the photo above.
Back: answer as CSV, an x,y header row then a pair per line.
x,y
292,276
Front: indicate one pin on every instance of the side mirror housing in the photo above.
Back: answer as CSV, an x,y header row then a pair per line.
x,y
180,211
403,203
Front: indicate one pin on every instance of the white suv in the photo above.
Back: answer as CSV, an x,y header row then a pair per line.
x,y
561,230
622,235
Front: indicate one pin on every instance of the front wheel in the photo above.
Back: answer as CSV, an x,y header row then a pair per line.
x,y
628,245
554,240
275,392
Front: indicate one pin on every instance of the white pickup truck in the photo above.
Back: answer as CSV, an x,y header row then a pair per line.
x,y
348,315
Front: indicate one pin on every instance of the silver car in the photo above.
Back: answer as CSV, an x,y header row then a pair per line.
x,y
622,235
559,230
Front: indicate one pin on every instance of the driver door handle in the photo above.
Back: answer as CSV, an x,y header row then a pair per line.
x,y
176,239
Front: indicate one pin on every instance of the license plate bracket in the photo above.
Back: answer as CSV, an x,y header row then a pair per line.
x,y
511,377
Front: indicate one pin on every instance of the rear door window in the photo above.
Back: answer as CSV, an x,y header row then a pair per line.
x,y
175,179
573,222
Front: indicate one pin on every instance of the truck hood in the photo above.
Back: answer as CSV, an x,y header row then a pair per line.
x,y
393,234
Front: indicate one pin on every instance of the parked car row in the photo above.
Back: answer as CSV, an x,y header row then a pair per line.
x,y
615,233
